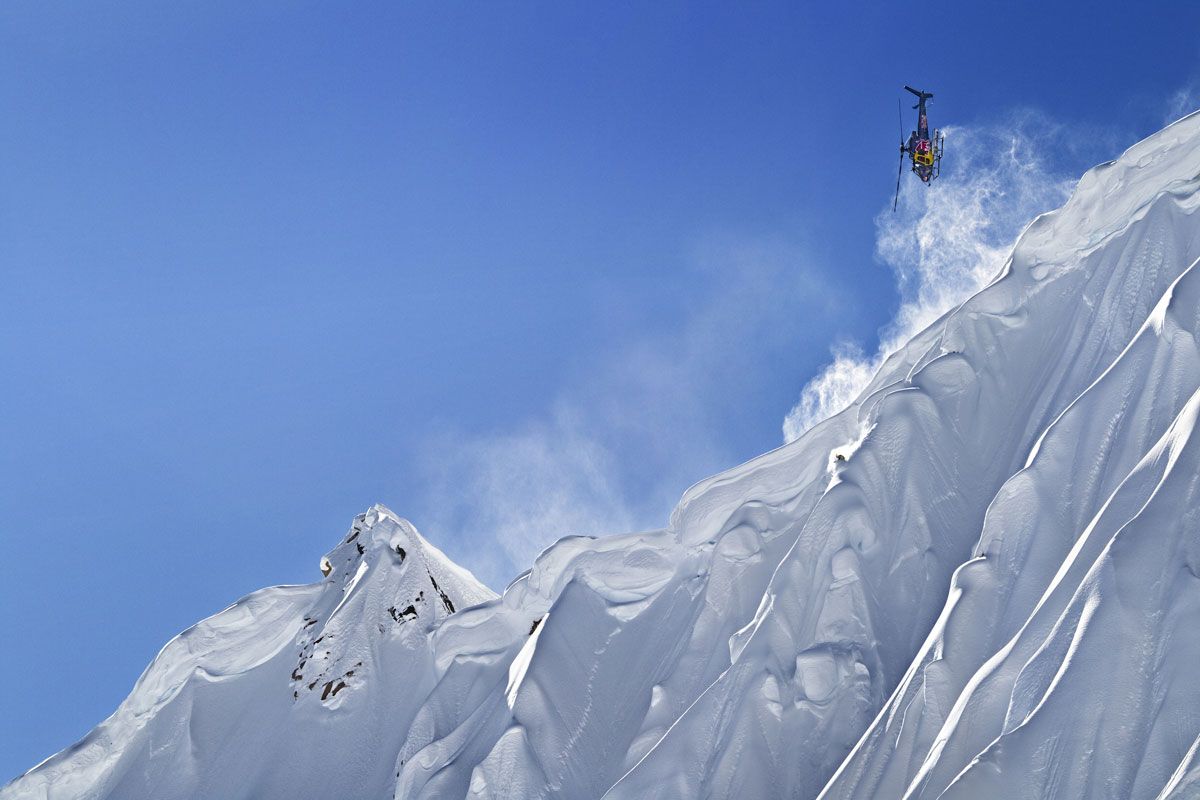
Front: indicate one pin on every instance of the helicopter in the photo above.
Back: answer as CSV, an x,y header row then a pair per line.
x,y
924,151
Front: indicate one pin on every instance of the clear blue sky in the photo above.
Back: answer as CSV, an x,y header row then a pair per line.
x,y
266,264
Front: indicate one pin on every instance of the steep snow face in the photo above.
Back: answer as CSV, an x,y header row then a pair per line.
x,y
293,691
1046,528
942,428
980,580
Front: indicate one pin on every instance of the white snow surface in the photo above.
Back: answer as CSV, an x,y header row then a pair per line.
x,y
994,594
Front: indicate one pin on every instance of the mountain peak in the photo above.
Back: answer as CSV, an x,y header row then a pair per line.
x,y
381,539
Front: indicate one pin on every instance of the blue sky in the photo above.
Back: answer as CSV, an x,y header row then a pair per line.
x,y
516,271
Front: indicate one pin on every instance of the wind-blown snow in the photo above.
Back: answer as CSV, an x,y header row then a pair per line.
x,y
945,245
980,580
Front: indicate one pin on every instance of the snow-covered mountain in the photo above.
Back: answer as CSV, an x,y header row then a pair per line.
x,y
981,580
293,691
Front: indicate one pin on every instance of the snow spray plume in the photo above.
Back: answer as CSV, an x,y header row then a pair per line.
x,y
946,243
613,450
522,488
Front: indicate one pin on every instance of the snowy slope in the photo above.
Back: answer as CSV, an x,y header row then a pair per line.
x,y
992,593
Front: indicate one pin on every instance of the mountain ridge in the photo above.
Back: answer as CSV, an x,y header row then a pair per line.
x,y
885,607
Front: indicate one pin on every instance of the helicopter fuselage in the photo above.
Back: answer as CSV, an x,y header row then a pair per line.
x,y
924,151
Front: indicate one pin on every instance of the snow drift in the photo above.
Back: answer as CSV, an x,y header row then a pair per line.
x,y
978,581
